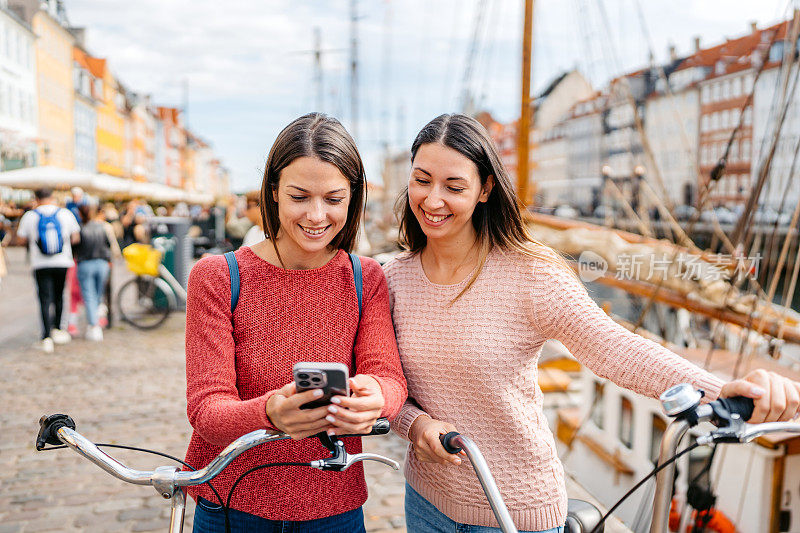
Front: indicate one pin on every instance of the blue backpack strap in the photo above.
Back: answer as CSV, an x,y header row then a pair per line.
x,y
233,269
357,278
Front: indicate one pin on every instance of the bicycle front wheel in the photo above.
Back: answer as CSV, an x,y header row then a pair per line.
x,y
144,302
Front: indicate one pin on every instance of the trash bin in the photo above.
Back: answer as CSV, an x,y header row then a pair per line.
x,y
171,234
176,228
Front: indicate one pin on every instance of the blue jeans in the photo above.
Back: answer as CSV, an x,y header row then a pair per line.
x,y
209,518
92,275
423,517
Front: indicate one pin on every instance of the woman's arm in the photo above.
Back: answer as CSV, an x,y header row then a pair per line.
x,y
214,407
116,253
564,311
561,309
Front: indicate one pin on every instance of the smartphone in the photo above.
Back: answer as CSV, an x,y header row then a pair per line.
x,y
332,378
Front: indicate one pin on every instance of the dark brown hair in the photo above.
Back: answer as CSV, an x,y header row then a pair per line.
x,y
316,135
498,221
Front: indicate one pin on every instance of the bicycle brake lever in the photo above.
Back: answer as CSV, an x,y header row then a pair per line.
x,y
735,432
340,460
352,459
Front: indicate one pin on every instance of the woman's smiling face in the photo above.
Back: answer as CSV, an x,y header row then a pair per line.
x,y
443,190
313,199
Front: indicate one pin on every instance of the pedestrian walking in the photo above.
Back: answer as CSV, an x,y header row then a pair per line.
x,y
93,254
77,199
297,302
49,231
474,300
255,234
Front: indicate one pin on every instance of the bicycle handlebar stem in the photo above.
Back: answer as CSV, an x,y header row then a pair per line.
x,y
664,479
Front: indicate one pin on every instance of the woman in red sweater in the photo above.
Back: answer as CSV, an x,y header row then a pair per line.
x,y
297,303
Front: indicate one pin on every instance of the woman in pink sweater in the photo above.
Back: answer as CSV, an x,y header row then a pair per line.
x,y
297,302
473,300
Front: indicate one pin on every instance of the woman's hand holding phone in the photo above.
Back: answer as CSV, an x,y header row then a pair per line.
x,y
283,410
424,435
358,412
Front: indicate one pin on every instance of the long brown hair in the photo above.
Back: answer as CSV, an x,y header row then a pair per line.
x,y
498,221
315,135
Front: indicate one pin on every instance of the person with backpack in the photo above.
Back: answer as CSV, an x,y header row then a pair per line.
x,y
298,296
50,231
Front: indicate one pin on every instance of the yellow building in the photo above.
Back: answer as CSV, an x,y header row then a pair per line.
x,y
142,138
110,120
56,138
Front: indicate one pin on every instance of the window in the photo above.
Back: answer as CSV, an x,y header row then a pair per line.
x,y
597,405
714,121
726,89
776,51
748,116
735,151
723,119
704,123
626,422
736,88
705,93
745,153
715,92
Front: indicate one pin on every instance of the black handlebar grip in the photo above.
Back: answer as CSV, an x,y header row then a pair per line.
x,y
48,428
447,442
739,405
380,427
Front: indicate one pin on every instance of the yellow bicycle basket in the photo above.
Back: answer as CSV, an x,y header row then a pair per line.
x,y
142,259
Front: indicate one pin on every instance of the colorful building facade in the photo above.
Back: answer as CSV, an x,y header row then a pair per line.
x,y
18,105
55,102
85,113
110,122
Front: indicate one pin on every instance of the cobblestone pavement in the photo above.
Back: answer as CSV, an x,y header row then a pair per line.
x,y
129,389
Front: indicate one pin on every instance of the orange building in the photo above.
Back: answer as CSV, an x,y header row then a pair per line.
x,y
110,120
174,138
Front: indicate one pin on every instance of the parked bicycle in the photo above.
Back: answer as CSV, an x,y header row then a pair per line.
x,y
681,402
146,300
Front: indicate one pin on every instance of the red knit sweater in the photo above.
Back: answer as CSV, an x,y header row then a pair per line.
x,y
283,317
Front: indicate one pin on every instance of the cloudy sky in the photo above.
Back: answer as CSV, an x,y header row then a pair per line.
x,y
249,71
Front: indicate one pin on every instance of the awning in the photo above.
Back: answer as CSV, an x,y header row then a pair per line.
x,y
61,179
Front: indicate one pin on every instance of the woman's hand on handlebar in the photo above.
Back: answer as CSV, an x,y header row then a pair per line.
x,y
424,435
776,398
283,410
357,413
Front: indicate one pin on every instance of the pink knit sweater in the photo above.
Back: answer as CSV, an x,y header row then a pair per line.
x,y
474,364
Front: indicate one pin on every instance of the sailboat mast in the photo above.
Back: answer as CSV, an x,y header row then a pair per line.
x,y
354,68
523,134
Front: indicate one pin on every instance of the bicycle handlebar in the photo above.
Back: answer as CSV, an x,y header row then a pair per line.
x,y
57,429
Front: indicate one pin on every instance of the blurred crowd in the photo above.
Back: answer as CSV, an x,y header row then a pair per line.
x,y
213,229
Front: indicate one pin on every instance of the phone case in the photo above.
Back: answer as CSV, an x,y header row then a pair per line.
x,y
332,378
